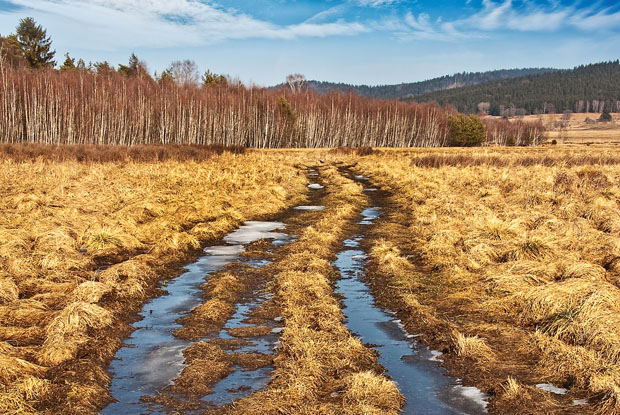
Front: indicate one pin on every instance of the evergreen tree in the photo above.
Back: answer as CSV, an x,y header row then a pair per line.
x,y
35,44
134,68
11,53
103,68
68,64
210,78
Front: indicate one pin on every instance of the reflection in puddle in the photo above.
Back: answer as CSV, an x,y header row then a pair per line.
x,y
408,363
152,357
241,382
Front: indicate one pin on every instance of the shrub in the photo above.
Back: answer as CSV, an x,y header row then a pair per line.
x,y
466,131
605,116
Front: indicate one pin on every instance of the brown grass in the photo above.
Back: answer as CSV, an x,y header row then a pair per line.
x,y
489,249
85,236
320,367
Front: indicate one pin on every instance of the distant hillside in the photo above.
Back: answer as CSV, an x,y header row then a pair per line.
x,y
586,88
408,90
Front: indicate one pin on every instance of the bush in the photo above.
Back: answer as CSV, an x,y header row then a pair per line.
x,y
554,141
605,116
466,131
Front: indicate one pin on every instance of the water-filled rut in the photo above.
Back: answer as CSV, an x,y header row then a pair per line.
x,y
152,356
152,362
415,369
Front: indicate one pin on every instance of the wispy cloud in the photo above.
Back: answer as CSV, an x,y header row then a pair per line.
x,y
507,16
376,3
168,23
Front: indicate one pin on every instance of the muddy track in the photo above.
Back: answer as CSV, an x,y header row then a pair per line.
x,y
228,336
434,328
268,334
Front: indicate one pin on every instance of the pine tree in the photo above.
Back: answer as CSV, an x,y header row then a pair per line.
x,y
69,63
134,68
210,78
35,44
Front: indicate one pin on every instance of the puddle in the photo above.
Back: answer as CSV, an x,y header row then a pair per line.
x,y
309,207
315,186
370,189
254,230
242,382
410,364
151,357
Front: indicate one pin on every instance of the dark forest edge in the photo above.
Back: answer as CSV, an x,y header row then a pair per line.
x,y
587,88
410,90
97,104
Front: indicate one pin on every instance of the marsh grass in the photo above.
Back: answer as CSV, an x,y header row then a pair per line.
x,y
86,234
520,238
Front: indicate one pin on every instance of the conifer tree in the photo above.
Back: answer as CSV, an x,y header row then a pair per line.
x,y
68,64
35,44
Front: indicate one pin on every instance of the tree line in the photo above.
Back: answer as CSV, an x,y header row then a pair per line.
x,y
412,89
586,88
81,103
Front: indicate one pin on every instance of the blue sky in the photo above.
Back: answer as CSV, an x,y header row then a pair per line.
x,y
353,41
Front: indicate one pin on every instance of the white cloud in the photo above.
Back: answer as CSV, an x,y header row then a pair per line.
x,y
376,3
170,23
528,17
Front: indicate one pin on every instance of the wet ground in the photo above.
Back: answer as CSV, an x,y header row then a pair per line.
x,y
152,356
410,364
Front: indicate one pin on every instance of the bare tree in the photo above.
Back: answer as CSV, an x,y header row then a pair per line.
x,y
296,82
184,72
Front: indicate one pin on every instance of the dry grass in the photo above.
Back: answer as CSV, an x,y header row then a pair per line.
x,y
521,238
320,367
85,235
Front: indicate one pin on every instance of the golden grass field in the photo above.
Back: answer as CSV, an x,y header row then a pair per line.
x,y
506,259
577,130
61,316
509,262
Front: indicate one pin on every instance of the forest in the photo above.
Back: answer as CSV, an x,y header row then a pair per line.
x,y
586,88
412,89
99,104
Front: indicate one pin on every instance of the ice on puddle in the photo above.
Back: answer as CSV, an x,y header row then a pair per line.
x,y
252,231
550,387
474,394
435,356
224,250
277,330
315,186
309,207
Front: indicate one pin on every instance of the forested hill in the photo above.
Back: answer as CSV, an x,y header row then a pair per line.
x,y
407,90
586,88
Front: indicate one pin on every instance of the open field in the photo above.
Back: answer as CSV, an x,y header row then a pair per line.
x,y
505,260
83,244
578,128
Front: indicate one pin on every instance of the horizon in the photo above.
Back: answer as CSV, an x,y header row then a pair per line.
x,y
356,42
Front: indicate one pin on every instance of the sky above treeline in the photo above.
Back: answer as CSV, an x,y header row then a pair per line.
x,y
355,41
